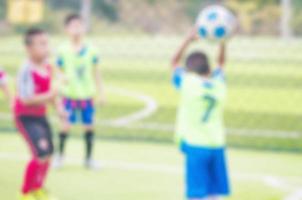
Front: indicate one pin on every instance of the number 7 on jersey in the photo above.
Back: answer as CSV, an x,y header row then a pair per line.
x,y
211,103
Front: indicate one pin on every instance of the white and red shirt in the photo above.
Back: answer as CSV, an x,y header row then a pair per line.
x,y
31,82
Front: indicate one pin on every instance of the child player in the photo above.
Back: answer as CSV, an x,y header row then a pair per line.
x,y
78,63
200,129
34,93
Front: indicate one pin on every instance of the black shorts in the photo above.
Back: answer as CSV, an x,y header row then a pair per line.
x,y
37,133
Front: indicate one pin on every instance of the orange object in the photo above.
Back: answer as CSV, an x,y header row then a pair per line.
x,y
25,11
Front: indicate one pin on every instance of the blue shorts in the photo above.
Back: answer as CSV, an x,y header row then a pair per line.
x,y
206,172
80,110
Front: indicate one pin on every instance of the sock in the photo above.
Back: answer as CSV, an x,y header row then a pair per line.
x,y
30,176
62,140
42,174
89,138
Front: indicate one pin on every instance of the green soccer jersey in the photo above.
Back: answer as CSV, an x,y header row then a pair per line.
x,y
79,69
200,115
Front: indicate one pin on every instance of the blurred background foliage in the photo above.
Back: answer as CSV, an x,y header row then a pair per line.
x,y
152,16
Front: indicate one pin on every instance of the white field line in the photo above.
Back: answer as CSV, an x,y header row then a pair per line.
x,y
294,192
231,131
296,195
277,183
149,108
120,122
265,133
271,181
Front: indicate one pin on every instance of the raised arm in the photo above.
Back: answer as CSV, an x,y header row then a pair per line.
x,y
192,36
222,55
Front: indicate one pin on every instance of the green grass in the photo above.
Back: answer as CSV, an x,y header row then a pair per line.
x,y
137,170
264,77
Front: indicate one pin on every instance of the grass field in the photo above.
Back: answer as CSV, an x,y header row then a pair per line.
x,y
264,112
149,172
264,75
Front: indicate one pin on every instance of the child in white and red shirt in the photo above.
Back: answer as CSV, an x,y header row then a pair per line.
x,y
34,93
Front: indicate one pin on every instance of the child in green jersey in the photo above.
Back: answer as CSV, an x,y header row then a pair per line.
x,y
200,126
78,64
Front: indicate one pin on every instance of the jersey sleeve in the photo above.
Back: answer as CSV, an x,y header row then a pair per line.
x,y
177,78
60,61
95,56
218,75
25,84
96,60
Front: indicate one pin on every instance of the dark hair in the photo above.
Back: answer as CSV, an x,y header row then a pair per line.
x,y
197,62
69,18
31,33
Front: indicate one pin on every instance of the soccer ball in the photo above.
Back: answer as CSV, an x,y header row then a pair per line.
x,y
216,23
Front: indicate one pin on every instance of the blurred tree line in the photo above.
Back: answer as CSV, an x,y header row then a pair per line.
x,y
153,16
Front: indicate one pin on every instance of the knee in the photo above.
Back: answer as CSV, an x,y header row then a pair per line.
x,y
64,132
89,129
45,150
66,128
44,158
89,135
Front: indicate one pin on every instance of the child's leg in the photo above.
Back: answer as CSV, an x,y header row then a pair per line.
x,y
197,174
70,107
45,153
89,142
30,176
41,174
38,135
32,168
88,112
63,136
219,182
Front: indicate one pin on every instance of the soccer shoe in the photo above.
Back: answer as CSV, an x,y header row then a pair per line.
x,y
29,196
57,162
43,195
92,164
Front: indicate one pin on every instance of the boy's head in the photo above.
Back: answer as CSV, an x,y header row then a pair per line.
x,y
37,44
197,62
74,25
